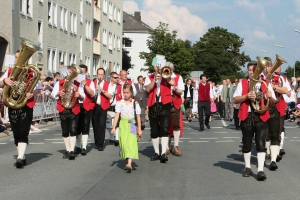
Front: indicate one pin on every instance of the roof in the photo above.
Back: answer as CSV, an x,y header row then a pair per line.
x,y
131,24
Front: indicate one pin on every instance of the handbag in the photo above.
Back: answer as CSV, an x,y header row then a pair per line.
x,y
213,107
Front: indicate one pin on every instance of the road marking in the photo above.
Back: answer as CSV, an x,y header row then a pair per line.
x,y
223,122
208,138
296,137
199,141
220,132
37,134
3,143
58,142
45,129
185,138
38,143
235,132
291,127
216,127
225,141
231,137
295,140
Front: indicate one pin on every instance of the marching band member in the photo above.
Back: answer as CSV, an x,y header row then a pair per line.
x,y
104,92
176,116
68,117
276,121
253,122
159,103
119,96
20,119
86,109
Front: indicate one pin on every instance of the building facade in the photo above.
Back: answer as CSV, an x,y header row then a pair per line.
x,y
137,33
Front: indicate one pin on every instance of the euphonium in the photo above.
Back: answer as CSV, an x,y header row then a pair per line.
x,y
68,100
259,94
278,62
24,81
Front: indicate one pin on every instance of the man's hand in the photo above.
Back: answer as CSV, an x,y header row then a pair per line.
x,y
234,105
29,95
269,94
61,93
76,94
83,82
8,81
251,95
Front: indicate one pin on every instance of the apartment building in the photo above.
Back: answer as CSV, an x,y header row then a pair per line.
x,y
62,28
137,34
110,35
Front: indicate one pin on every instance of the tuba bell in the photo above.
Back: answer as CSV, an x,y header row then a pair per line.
x,y
25,77
68,100
278,62
259,94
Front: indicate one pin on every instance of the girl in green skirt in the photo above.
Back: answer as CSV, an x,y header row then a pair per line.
x,y
128,131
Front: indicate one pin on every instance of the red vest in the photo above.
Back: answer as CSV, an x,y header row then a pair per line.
x,y
59,106
119,90
30,102
88,103
281,104
105,103
165,92
204,92
177,101
243,111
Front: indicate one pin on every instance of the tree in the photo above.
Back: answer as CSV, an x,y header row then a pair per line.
x,y
177,51
289,72
218,54
126,59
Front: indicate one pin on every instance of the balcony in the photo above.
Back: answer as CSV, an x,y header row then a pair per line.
x,y
96,47
97,14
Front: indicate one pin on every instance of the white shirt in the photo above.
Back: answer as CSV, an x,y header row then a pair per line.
x,y
188,91
113,99
126,110
92,86
56,90
110,90
238,91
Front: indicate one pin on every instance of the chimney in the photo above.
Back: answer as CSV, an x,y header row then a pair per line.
x,y
137,15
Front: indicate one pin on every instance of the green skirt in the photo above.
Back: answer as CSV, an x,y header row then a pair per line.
x,y
127,140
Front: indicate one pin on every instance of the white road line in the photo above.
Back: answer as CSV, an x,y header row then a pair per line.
x,y
291,127
36,134
220,132
231,137
236,132
223,122
296,137
215,138
295,140
45,129
185,138
225,141
3,143
199,141
216,127
58,142
38,143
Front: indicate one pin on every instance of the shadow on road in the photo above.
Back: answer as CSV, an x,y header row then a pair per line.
x,y
121,164
234,167
148,151
34,157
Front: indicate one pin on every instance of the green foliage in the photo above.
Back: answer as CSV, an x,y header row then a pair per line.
x,y
126,60
177,51
289,72
218,54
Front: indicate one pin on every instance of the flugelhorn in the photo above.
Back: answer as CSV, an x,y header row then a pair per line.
x,y
259,94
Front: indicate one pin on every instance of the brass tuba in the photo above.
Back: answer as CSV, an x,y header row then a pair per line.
x,y
253,80
15,96
278,62
68,100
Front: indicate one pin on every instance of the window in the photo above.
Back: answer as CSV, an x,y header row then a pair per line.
x,y
62,58
80,47
127,42
104,39
63,18
81,11
110,10
40,33
88,62
52,13
118,67
104,66
119,16
118,43
95,66
88,29
51,56
114,42
105,6
110,45
115,13
26,7
72,58
89,1
73,19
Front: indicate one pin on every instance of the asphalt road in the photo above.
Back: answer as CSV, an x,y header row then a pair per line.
x,y
210,168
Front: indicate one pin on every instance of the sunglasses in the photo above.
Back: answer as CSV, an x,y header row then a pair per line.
x,y
115,77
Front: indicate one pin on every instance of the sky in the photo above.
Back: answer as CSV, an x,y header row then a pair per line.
x,y
261,24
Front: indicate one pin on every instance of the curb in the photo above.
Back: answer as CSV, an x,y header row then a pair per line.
x,y
40,126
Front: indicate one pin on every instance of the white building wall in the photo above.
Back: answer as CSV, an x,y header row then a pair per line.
x,y
139,44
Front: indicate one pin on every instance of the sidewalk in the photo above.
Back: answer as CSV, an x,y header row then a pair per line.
x,y
40,126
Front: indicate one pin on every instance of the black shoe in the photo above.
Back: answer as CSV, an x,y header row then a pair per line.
x,y
201,129
273,166
281,152
143,127
77,150
238,128
207,126
230,120
100,149
71,156
163,158
247,172
83,152
261,176
66,155
155,157
279,158
19,163
111,142
116,143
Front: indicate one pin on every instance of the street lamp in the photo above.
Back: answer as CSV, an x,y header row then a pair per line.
x,y
280,46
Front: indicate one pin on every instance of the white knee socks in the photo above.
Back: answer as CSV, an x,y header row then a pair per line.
x,y
261,160
84,141
247,157
21,150
268,147
176,138
164,144
274,152
155,143
67,143
282,139
72,143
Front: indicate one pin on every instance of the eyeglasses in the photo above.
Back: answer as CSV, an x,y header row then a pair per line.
x,y
115,77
